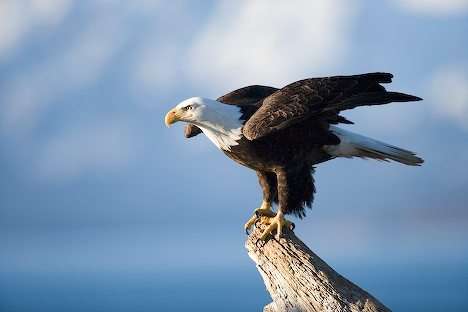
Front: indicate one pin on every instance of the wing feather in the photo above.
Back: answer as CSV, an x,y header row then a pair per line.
x,y
249,95
325,96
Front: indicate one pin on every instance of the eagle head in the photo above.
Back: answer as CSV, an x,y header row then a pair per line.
x,y
222,123
191,110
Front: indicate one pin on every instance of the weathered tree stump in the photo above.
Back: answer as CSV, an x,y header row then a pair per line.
x,y
298,280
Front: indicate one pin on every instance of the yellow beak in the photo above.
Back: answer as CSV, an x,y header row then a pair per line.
x,y
171,117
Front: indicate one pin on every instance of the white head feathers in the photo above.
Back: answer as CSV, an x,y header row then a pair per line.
x,y
219,122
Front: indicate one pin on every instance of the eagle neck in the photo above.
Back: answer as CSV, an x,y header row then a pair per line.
x,y
222,124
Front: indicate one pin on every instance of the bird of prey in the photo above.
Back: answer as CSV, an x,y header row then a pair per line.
x,y
283,133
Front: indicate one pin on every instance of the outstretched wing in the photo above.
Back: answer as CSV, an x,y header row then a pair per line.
x,y
250,95
319,96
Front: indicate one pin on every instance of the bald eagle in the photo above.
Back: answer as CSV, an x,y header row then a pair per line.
x,y
283,133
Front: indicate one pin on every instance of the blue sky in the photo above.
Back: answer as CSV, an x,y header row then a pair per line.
x,y
93,181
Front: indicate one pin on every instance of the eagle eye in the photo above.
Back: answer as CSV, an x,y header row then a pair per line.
x,y
188,107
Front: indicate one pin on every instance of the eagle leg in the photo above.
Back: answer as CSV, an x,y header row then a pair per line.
x,y
276,223
259,213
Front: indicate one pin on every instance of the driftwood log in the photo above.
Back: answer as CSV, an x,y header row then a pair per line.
x,y
298,280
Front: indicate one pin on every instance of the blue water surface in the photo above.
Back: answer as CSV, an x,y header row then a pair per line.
x,y
434,288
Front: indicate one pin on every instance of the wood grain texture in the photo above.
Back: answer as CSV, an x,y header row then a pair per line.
x,y
298,280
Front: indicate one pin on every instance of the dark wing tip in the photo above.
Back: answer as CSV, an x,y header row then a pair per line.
x,y
343,120
403,97
380,77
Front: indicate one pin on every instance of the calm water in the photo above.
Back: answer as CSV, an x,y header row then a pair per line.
x,y
419,289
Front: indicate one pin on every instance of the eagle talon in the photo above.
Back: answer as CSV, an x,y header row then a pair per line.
x,y
251,222
258,216
277,224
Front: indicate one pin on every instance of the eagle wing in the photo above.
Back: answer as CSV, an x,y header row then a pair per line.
x,y
191,130
250,95
325,96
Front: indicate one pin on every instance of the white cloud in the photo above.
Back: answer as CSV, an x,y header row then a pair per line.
x,y
435,7
270,42
449,88
86,149
159,62
92,50
27,95
74,62
79,61
157,66
19,17
70,64
49,11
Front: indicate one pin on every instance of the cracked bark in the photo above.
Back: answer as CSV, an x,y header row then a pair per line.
x,y
298,280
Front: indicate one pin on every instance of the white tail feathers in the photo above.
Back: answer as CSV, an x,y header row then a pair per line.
x,y
356,145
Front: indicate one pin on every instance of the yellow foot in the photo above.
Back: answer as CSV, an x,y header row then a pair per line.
x,y
258,216
276,223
